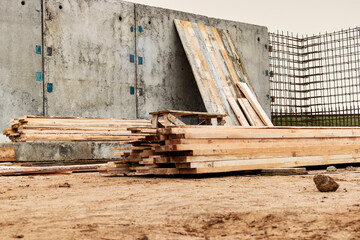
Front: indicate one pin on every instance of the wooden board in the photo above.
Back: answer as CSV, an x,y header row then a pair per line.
x,y
250,113
251,97
7,154
211,52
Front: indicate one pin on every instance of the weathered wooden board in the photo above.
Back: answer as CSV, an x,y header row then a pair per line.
x,y
7,154
217,68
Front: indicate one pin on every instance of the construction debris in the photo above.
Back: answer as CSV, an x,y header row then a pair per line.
x,y
30,128
325,183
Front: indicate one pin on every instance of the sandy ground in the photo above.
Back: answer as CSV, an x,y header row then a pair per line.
x,y
89,206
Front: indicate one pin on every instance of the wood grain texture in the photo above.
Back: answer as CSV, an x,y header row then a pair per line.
x,y
217,68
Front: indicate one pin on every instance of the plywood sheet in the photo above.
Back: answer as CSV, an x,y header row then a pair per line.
x,y
216,65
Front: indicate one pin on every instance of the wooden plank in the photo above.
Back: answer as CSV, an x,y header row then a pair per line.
x,y
203,77
174,120
283,171
188,113
238,113
258,132
251,97
273,163
7,154
250,113
4,171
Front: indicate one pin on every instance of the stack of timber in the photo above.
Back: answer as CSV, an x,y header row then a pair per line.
x,y
220,74
30,128
214,149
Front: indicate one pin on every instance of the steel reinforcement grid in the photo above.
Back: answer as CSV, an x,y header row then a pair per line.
x,y
315,81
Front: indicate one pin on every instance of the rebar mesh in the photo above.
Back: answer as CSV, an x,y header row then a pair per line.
x,y
315,81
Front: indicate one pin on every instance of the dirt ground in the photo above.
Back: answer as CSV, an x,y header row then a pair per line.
x,y
89,206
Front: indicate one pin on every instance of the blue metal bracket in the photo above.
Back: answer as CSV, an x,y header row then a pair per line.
x,y
132,58
132,90
132,29
266,72
140,29
38,76
50,87
38,49
140,60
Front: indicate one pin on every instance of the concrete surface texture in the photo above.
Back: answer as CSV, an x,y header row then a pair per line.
x,y
107,58
21,90
63,152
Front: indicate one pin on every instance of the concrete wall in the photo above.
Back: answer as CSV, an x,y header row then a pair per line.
x,y
165,76
87,51
89,66
20,92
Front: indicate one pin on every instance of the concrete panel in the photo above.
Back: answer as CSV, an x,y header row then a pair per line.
x,y
165,79
89,64
60,152
250,40
20,27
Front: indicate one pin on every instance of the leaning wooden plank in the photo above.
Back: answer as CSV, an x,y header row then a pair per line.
x,y
249,112
171,118
273,163
7,154
54,169
255,103
206,78
238,113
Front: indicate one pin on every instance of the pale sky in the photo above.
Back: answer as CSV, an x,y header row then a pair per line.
x,y
301,16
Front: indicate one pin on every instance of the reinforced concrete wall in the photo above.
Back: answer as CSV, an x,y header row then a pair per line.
x,y
21,87
107,58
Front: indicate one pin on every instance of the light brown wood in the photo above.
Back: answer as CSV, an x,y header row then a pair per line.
x,y
251,97
7,154
238,113
6,171
174,120
250,113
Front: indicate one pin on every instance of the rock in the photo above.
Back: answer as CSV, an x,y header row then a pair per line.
x,y
325,183
331,169
350,168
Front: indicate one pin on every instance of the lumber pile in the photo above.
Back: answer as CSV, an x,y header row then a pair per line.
x,y
220,74
30,128
214,149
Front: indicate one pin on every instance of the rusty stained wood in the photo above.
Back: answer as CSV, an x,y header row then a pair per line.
x,y
217,68
7,154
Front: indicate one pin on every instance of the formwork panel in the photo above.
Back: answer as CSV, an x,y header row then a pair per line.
x,y
20,60
88,67
252,42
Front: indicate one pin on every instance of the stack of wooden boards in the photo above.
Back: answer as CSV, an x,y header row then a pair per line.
x,y
213,149
220,74
30,128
